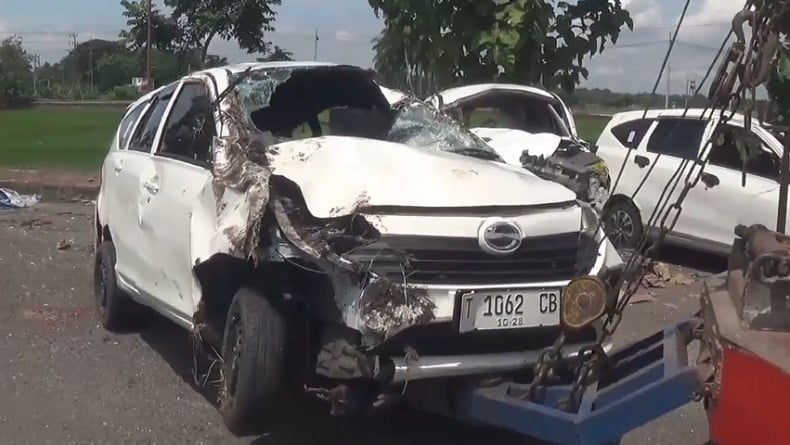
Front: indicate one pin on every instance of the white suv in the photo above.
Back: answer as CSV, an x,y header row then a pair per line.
x,y
397,247
728,193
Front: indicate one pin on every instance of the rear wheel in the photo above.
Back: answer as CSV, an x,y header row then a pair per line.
x,y
623,225
116,310
254,364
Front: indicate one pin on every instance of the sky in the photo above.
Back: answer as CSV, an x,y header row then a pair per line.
x,y
346,27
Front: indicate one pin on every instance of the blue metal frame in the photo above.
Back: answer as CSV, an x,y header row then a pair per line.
x,y
644,381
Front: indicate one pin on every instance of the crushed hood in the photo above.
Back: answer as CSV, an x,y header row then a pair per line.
x,y
510,144
339,175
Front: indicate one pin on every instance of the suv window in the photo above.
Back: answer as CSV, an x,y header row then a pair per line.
x,y
190,127
680,138
127,125
631,133
735,143
145,133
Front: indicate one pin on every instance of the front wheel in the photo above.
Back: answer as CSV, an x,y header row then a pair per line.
x,y
254,363
623,225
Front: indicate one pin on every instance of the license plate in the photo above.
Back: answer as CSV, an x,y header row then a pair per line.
x,y
509,309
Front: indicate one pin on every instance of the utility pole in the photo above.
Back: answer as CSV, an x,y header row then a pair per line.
x,y
148,49
315,46
90,65
73,39
35,60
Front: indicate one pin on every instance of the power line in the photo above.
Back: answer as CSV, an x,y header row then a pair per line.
x,y
699,25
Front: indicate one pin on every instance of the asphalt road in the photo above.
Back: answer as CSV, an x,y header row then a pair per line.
x,y
64,380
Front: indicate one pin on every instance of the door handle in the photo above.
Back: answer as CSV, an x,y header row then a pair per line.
x,y
710,180
151,186
641,161
117,166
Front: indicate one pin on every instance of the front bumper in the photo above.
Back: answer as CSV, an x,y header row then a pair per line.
x,y
429,367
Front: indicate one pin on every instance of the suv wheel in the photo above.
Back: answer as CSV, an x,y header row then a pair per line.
x,y
116,310
623,225
254,363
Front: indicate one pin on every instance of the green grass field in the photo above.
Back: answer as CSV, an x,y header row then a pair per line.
x,y
57,138
78,138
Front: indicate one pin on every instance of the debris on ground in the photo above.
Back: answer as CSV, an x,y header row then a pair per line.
x,y
9,199
643,297
64,244
659,275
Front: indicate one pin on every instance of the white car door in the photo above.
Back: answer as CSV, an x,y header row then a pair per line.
x,y
181,170
732,202
125,195
671,143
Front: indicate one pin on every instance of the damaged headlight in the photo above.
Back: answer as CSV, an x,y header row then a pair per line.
x,y
590,221
385,307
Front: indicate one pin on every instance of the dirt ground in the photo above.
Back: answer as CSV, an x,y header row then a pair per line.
x,y
64,380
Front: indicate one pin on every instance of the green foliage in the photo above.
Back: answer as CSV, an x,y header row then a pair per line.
x,y
277,55
245,21
166,33
124,93
117,69
526,41
15,75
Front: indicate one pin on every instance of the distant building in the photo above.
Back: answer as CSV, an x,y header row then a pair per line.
x,y
139,84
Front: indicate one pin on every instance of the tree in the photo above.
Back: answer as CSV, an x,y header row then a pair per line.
x,y
117,70
245,21
166,33
82,61
526,41
277,55
213,60
16,76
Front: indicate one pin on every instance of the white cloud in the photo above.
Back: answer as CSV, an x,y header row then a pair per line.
x,y
344,36
645,12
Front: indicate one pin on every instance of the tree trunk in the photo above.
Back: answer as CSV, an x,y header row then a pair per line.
x,y
206,44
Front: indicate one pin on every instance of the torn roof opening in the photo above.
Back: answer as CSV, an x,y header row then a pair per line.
x,y
306,92
281,100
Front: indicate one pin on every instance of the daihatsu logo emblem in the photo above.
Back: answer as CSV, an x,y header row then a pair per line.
x,y
499,236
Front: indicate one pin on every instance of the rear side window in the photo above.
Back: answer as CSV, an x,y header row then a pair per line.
x,y
631,133
145,132
127,125
680,138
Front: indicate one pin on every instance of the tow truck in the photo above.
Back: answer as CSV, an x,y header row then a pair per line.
x,y
742,371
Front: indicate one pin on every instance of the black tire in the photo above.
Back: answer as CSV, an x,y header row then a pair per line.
x,y
255,362
623,225
116,310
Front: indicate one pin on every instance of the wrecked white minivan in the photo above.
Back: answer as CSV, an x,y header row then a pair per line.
x,y
314,237
533,128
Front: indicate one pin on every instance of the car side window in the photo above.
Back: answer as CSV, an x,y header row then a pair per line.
x,y
145,133
680,138
127,125
190,127
631,133
736,146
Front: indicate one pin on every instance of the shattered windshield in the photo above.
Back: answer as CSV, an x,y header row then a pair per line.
x,y
345,100
420,125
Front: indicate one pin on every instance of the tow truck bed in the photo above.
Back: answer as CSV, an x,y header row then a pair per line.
x,y
641,382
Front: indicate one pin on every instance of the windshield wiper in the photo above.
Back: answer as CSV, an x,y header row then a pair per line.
x,y
478,153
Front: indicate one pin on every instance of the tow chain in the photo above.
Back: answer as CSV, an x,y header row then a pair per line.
x,y
750,73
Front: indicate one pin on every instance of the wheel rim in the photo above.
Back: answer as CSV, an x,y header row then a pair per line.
x,y
622,226
232,359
